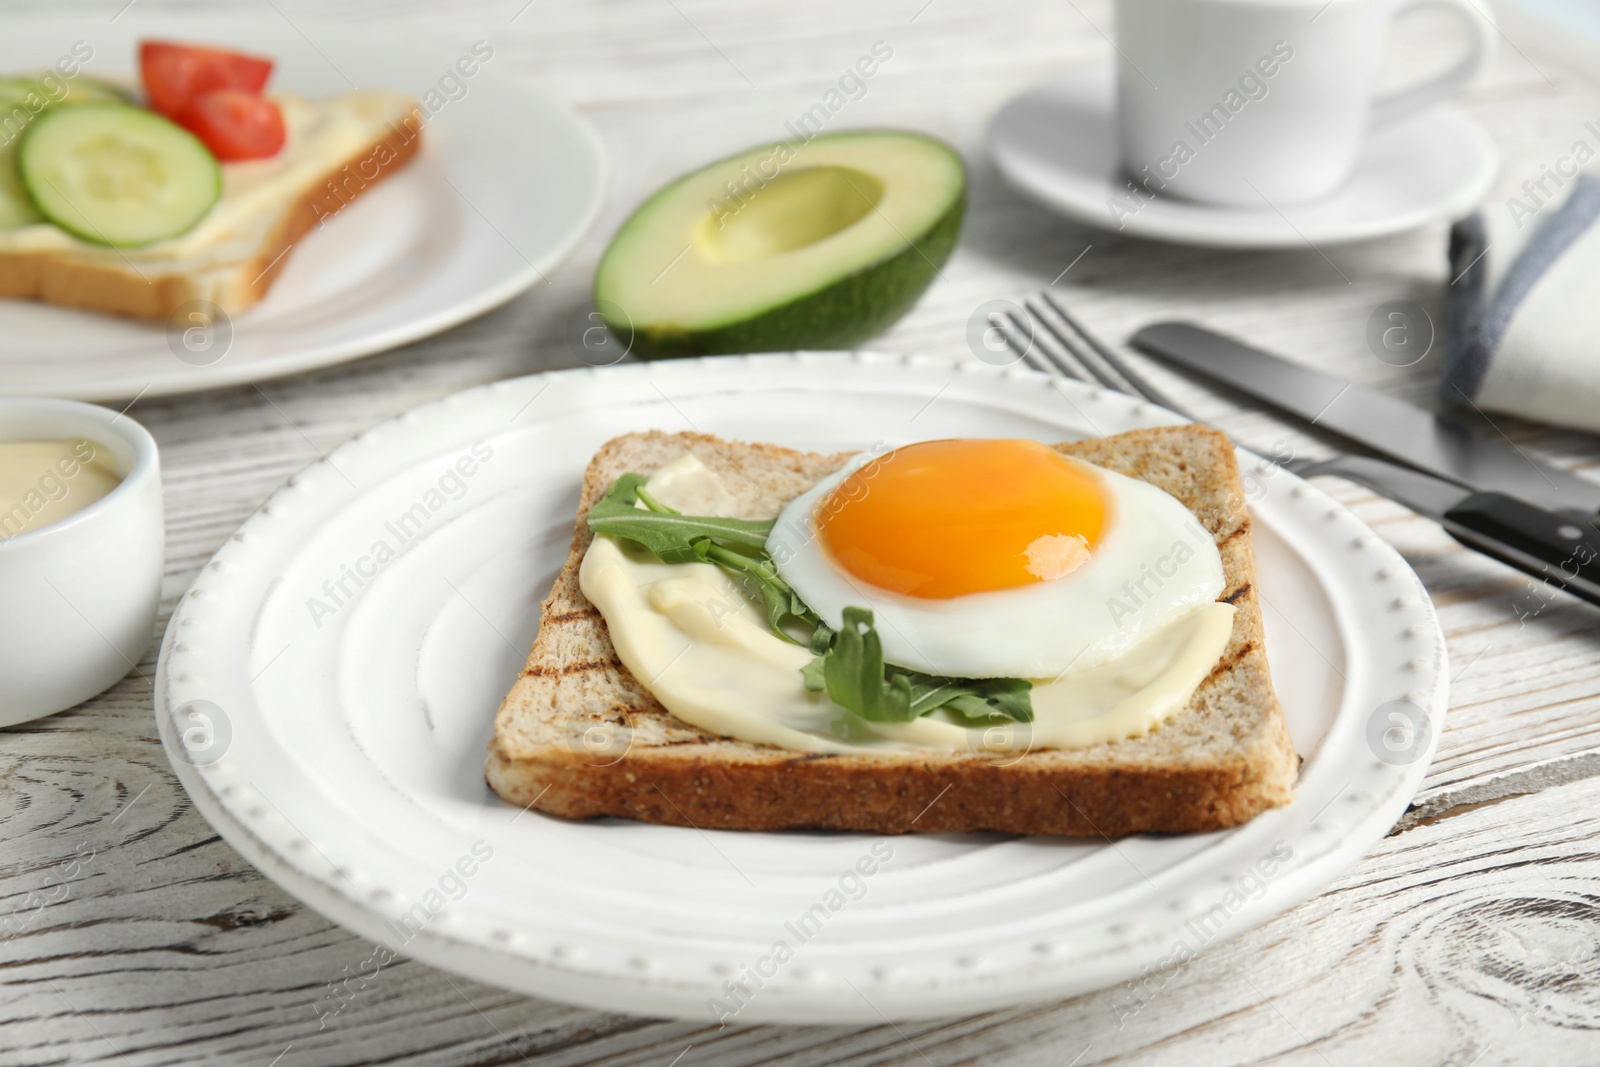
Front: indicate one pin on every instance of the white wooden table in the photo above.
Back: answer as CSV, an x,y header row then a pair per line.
x,y
1471,935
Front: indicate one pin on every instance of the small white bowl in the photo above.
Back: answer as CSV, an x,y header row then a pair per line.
x,y
78,597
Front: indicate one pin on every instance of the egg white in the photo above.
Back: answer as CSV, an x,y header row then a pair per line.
x,y
1154,563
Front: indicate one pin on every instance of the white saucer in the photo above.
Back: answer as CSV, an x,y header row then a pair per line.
x,y
1058,143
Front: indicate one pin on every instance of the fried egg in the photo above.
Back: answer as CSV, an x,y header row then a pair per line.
x,y
995,558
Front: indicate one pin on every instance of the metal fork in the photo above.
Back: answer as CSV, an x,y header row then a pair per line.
x,y
1073,352
1072,339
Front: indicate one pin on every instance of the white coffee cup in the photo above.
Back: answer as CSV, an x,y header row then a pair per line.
x,y
1264,102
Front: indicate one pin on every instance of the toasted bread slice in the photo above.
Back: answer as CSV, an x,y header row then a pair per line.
x,y
579,736
337,149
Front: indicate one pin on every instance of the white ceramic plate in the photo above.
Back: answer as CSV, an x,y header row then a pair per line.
x,y
1058,144
341,748
507,183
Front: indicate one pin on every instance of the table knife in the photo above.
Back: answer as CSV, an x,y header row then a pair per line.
x,y
1437,444
1542,543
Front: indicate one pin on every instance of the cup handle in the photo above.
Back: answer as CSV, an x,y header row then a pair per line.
x,y
1480,26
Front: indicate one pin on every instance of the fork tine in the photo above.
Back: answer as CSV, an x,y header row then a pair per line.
x,y
1074,349
1009,331
1035,355
1068,339
1050,360
1114,361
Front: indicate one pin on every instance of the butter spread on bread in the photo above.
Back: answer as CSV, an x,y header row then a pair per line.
x,y
337,149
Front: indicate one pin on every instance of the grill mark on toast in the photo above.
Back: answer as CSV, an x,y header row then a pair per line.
x,y
1234,596
1242,528
565,669
1229,662
571,616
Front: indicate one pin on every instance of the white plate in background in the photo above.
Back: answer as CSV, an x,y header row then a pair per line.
x,y
506,184
349,691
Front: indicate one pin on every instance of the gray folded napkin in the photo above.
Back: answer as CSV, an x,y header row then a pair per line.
x,y
1523,311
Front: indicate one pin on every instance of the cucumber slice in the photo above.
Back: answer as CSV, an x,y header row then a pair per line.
x,y
15,115
22,98
15,88
86,90
117,175
15,207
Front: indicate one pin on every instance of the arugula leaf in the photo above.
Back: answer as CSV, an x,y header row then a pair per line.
x,y
738,546
848,664
667,534
651,502
856,678
853,672
984,698
759,574
822,639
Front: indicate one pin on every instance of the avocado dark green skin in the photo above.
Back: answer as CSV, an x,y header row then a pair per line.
x,y
841,315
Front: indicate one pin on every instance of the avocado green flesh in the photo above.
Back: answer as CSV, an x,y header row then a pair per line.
x,y
851,310
16,112
826,252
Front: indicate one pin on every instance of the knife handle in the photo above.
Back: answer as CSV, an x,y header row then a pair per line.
x,y
1548,546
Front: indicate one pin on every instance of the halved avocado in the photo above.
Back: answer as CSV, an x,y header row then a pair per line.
x,y
809,244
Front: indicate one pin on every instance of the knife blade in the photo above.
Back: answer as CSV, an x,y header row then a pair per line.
x,y
1437,444
1544,544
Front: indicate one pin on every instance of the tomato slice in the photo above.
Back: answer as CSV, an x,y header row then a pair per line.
x,y
175,75
236,125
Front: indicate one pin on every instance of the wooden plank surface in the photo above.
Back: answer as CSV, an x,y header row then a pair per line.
x,y
1470,936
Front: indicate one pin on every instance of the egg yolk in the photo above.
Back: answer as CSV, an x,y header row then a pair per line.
x,y
943,519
